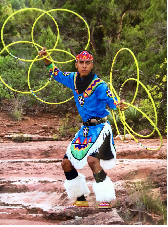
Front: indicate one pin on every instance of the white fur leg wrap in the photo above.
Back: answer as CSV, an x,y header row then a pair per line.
x,y
76,187
108,164
104,191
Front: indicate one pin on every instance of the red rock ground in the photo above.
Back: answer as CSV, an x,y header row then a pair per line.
x,y
31,178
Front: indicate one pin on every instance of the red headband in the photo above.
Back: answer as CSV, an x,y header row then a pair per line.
x,y
84,55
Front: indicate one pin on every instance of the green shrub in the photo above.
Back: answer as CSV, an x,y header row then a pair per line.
x,y
17,111
132,114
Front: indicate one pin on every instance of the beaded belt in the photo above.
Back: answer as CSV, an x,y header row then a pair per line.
x,y
94,121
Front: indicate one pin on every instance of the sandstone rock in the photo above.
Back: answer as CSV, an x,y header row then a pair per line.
x,y
127,137
145,132
101,218
32,180
26,118
118,137
27,137
71,213
44,126
159,179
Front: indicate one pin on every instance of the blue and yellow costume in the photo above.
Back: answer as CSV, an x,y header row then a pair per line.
x,y
92,139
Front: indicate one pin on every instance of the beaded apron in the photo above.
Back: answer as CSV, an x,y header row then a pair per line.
x,y
96,139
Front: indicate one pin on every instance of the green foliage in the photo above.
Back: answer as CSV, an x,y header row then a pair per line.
x,y
158,93
20,138
17,112
132,114
111,120
47,38
138,25
17,115
13,74
118,122
18,4
132,117
67,126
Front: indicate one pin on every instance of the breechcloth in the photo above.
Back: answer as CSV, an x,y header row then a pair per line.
x,y
96,141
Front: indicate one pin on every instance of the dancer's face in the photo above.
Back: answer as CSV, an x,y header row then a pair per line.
x,y
84,67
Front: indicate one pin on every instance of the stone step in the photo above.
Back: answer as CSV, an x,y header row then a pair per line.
x,y
55,149
32,189
33,150
27,137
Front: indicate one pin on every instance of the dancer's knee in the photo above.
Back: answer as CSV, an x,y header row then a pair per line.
x,y
94,164
66,165
92,161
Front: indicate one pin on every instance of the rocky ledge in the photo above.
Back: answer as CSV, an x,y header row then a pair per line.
x,y
32,191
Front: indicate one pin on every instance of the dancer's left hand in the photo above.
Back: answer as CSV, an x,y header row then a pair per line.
x,y
122,105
